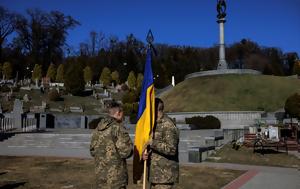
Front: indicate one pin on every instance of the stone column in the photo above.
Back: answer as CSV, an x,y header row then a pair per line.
x,y
173,81
222,62
17,114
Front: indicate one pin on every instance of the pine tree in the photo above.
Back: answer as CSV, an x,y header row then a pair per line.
x,y
131,80
0,70
115,76
51,73
74,81
7,70
105,76
139,81
37,72
60,73
87,74
296,69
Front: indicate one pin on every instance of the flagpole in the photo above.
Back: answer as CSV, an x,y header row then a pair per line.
x,y
150,40
145,172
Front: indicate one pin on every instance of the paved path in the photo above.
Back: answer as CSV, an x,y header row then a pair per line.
x,y
261,177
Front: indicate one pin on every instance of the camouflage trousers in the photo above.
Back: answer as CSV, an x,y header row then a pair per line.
x,y
162,186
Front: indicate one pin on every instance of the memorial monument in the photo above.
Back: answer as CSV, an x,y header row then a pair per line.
x,y
221,8
222,67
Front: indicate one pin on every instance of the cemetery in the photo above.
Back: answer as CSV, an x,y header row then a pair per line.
x,y
236,106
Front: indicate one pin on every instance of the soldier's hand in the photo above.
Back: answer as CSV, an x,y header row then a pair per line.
x,y
145,155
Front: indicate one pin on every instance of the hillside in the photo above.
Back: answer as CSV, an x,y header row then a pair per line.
x,y
230,93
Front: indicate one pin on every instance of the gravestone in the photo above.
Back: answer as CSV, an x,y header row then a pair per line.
x,y
83,122
46,121
57,89
26,98
43,121
76,109
36,83
17,113
273,133
44,105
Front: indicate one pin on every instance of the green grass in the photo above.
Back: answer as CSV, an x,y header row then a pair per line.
x,y
231,93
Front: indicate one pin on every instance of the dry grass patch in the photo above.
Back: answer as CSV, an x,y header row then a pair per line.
x,y
246,156
46,172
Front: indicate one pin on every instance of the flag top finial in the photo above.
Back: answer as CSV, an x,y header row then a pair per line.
x,y
150,37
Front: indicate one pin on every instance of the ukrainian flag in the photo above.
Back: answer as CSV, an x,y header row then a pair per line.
x,y
145,118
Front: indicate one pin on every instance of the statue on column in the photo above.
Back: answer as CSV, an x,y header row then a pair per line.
x,y
221,8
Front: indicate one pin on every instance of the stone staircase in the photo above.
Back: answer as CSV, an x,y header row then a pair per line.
x,y
76,142
44,140
249,139
47,144
292,145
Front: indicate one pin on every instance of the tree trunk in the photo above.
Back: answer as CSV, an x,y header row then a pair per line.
x,y
1,43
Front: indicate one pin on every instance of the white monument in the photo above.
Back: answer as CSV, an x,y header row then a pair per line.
x,y
173,81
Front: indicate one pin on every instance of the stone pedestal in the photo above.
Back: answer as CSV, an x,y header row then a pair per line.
x,y
43,121
222,62
83,122
17,113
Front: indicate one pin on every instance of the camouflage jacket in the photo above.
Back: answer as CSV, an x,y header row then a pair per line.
x,y
164,167
110,146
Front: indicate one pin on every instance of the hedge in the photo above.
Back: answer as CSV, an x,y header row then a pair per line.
x,y
208,122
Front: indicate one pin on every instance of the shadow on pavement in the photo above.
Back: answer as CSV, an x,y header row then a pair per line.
x,y
268,151
3,173
12,185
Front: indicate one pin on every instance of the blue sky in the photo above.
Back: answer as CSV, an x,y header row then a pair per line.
x,y
179,22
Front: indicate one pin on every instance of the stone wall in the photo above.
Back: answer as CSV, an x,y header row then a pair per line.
x,y
73,121
222,72
228,119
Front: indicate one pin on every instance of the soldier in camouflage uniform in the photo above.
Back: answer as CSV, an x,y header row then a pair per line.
x,y
110,147
164,166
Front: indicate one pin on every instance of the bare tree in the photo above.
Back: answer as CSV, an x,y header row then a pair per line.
x,y
102,43
42,35
7,26
84,49
93,37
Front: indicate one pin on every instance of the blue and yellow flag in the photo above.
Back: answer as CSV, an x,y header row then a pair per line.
x,y
145,117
